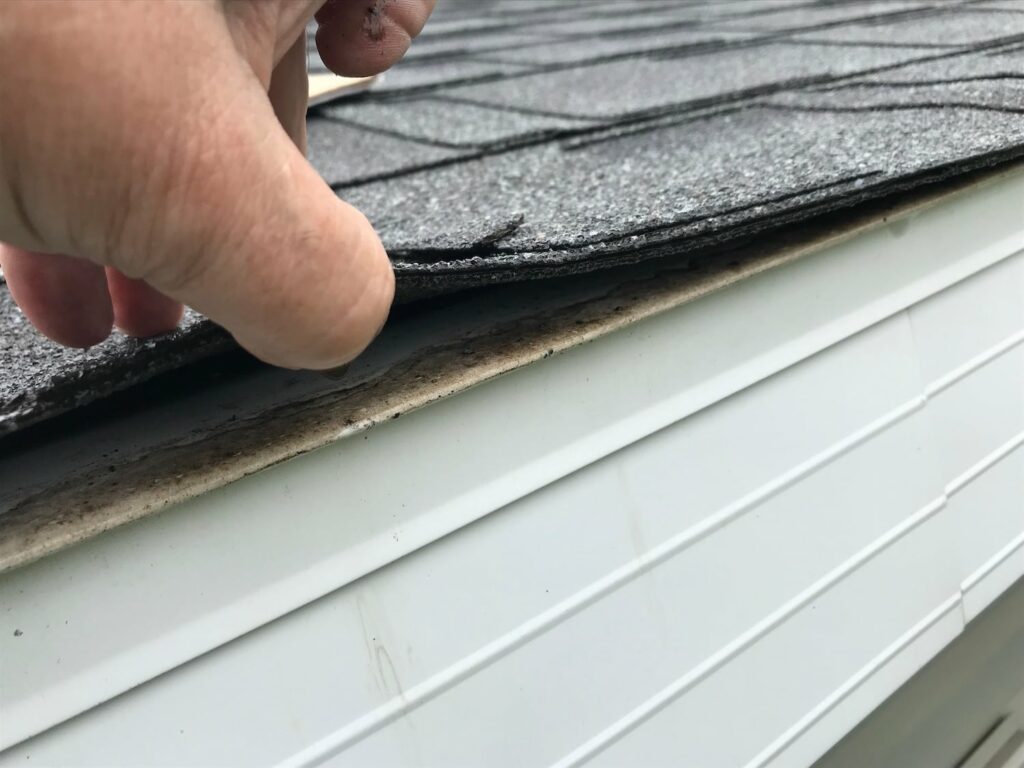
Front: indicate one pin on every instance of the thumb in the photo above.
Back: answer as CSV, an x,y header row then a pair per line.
x,y
252,237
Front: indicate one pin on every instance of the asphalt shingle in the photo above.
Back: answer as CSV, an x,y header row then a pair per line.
x,y
345,154
718,179
631,86
433,73
586,49
528,138
39,378
952,28
450,123
785,20
1002,94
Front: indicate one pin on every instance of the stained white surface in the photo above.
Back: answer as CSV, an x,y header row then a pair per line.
x,y
717,538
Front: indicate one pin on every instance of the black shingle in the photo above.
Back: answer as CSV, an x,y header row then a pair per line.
x,y
39,378
431,73
590,49
951,28
696,178
993,64
1001,94
884,11
344,154
452,46
450,123
520,142
631,86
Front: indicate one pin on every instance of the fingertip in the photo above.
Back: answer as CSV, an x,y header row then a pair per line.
x,y
333,322
64,297
354,54
365,39
139,309
360,319
84,330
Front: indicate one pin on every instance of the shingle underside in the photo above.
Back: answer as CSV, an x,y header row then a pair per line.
x,y
522,139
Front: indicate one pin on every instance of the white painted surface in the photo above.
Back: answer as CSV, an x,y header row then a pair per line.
x,y
717,538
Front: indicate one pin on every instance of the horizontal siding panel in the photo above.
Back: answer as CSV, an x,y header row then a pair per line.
x,y
731,716
621,650
377,640
986,512
755,441
955,325
977,414
816,732
986,584
989,513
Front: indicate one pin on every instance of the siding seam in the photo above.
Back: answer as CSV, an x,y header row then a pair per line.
x,y
524,633
834,699
670,693
953,603
977,470
979,361
473,663
992,563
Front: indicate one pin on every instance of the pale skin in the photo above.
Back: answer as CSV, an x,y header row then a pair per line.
x,y
152,155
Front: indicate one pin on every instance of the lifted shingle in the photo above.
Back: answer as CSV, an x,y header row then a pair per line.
x,y
518,142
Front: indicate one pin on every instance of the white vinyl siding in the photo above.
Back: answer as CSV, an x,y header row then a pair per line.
x,y
717,538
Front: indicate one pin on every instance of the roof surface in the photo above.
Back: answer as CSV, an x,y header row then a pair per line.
x,y
522,139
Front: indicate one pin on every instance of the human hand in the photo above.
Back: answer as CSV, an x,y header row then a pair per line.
x,y
152,153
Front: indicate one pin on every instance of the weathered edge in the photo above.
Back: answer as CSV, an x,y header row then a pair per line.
x,y
71,512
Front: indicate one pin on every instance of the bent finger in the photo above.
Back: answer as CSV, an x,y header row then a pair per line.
x,y
289,92
66,298
140,309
